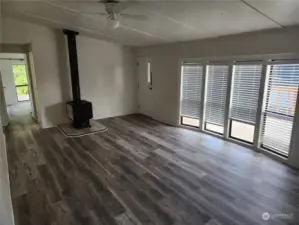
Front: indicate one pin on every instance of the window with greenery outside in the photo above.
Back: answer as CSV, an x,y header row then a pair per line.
x,y
20,79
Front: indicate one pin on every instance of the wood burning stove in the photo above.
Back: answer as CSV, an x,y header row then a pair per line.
x,y
80,111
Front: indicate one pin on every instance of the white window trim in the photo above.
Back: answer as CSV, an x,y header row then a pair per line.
x,y
228,101
260,105
203,94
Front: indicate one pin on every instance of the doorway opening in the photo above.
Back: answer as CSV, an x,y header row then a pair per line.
x,y
17,89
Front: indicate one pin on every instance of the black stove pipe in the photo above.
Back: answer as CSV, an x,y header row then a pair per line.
x,y
80,111
72,47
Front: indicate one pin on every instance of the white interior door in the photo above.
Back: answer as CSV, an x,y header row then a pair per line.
x,y
3,108
144,86
8,82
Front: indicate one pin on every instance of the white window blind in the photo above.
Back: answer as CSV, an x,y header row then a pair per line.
x,y
217,76
278,115
245,92
191,90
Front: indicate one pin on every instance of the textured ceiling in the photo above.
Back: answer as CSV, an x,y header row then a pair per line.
x,y
167,21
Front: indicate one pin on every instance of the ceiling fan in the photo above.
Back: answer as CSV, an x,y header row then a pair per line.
x,y
114,13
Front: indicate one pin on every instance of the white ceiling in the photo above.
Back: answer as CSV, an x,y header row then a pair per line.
x,y
167,21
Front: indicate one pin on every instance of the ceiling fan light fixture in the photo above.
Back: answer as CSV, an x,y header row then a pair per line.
x,y
113,23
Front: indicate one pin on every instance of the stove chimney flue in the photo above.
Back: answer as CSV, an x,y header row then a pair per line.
x,y
73,61
80,111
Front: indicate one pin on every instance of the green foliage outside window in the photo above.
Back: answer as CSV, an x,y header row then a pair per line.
x,y
20,78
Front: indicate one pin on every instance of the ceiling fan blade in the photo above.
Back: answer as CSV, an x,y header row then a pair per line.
x,y
108,1
95,13
133,16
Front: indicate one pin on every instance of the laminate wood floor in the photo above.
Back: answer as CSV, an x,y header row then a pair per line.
x,y
141,171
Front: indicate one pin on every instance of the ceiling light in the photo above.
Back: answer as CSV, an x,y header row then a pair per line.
x,y
113,23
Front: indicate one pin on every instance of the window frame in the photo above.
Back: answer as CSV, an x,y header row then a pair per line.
x,y
188,125
256,133
211,131
266,59
201,106
264,110
274,151
227,99
21,85
239,139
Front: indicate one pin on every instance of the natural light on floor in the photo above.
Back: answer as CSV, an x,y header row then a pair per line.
x,y
22,98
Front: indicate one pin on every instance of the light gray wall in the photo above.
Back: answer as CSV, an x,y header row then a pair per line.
x,y
107,77
6,213
166,58
106,73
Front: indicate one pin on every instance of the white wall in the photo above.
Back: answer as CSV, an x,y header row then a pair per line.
x,y
166,58
107,77
106,73
6,213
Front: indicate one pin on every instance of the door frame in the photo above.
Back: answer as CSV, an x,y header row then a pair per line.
x,y
30,69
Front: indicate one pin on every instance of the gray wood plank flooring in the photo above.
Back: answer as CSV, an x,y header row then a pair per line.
x,y
141,171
